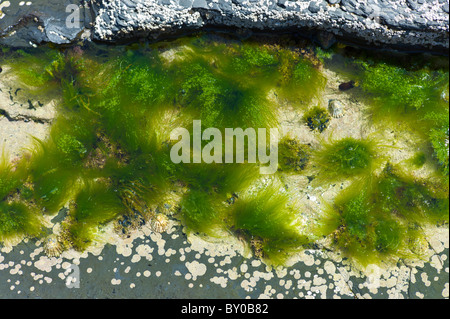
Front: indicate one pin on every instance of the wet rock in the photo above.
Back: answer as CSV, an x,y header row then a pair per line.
x,y
113,20
314,7
346,86
200,4
326,39
186,3
413,4
42,21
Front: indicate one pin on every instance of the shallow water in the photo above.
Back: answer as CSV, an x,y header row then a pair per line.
x,y
108,147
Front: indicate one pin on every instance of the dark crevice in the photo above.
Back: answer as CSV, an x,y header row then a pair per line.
x,y
23,118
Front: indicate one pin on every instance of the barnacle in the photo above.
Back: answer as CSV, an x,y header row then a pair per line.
x,y
53,246
159,223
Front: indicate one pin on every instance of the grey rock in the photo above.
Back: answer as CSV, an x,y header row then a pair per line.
x,y
186,3
42,21
326,39
314,7
349,4
200,4
111,20
281,3
367,10
129,3
413,4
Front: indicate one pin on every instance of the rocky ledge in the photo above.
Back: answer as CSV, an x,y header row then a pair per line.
x,y
399,24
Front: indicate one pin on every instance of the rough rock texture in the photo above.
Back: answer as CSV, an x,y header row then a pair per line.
x,y
405,24
28,23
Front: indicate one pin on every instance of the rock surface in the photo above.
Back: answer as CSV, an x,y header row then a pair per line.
x,y
403,24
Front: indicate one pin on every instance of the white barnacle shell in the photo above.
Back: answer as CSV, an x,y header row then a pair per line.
x,y
336,108
52,246
159,223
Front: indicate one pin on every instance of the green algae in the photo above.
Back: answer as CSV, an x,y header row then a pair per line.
x,y
266,221
374,220
409,91
317,118
17,219
396,89
292,156
419,159
415,201
346,158
109,148
10,180
439,136
200,213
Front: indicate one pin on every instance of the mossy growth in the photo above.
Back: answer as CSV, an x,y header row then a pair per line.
x,y
43,69
360,232
399,194
254,59
374,219
323,54
202,213
11,180
439,137
396,89
18,219
302,80
265,67
345,158
266,221
419,159
97,203
219,100
292,155
30,66
317,118
109,147
54,180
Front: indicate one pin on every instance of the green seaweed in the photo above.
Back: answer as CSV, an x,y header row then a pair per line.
x,y
292,156
401,90
97,203
317,119
17,219
388,236
220,101
439,136
11,180
419,159
403,196
108,151
265,220
302,81
355,214
345,158
200,213
375,219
